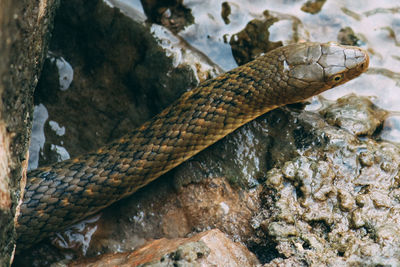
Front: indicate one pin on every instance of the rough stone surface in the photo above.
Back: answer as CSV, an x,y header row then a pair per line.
x,y
337,203
357,115
210,248
24,35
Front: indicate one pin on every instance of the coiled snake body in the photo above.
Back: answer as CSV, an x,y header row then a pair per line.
x,y
63,193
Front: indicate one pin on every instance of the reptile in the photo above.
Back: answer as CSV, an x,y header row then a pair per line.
x,y
64,193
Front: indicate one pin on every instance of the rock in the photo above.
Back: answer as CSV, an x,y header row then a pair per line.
x,y
313,7
160,211
210,248
24,34
110,51
252,41
347,36
171,14
363,119
336,203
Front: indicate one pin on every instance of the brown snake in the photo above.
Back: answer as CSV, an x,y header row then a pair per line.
x,y
61,194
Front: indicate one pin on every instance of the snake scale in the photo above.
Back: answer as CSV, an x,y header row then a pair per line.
x,y
61,194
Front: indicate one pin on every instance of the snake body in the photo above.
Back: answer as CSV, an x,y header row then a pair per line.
x,y
61,194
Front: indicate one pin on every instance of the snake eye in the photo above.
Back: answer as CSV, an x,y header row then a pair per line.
x,y
337,78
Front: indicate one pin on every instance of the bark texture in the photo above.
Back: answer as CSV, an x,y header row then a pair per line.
x,y
24,34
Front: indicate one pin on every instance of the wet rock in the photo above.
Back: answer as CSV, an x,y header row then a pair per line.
x,y
160,211
110,51
171,14
210,248
24,31
357,115
225,12
265,33
253,40
347,36
313,7
324,207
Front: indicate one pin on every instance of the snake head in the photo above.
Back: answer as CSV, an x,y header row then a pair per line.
x,y
311,68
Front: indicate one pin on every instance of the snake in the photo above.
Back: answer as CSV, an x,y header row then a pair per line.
x,y
61,194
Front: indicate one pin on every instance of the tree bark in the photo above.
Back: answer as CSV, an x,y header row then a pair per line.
x,y
24,35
